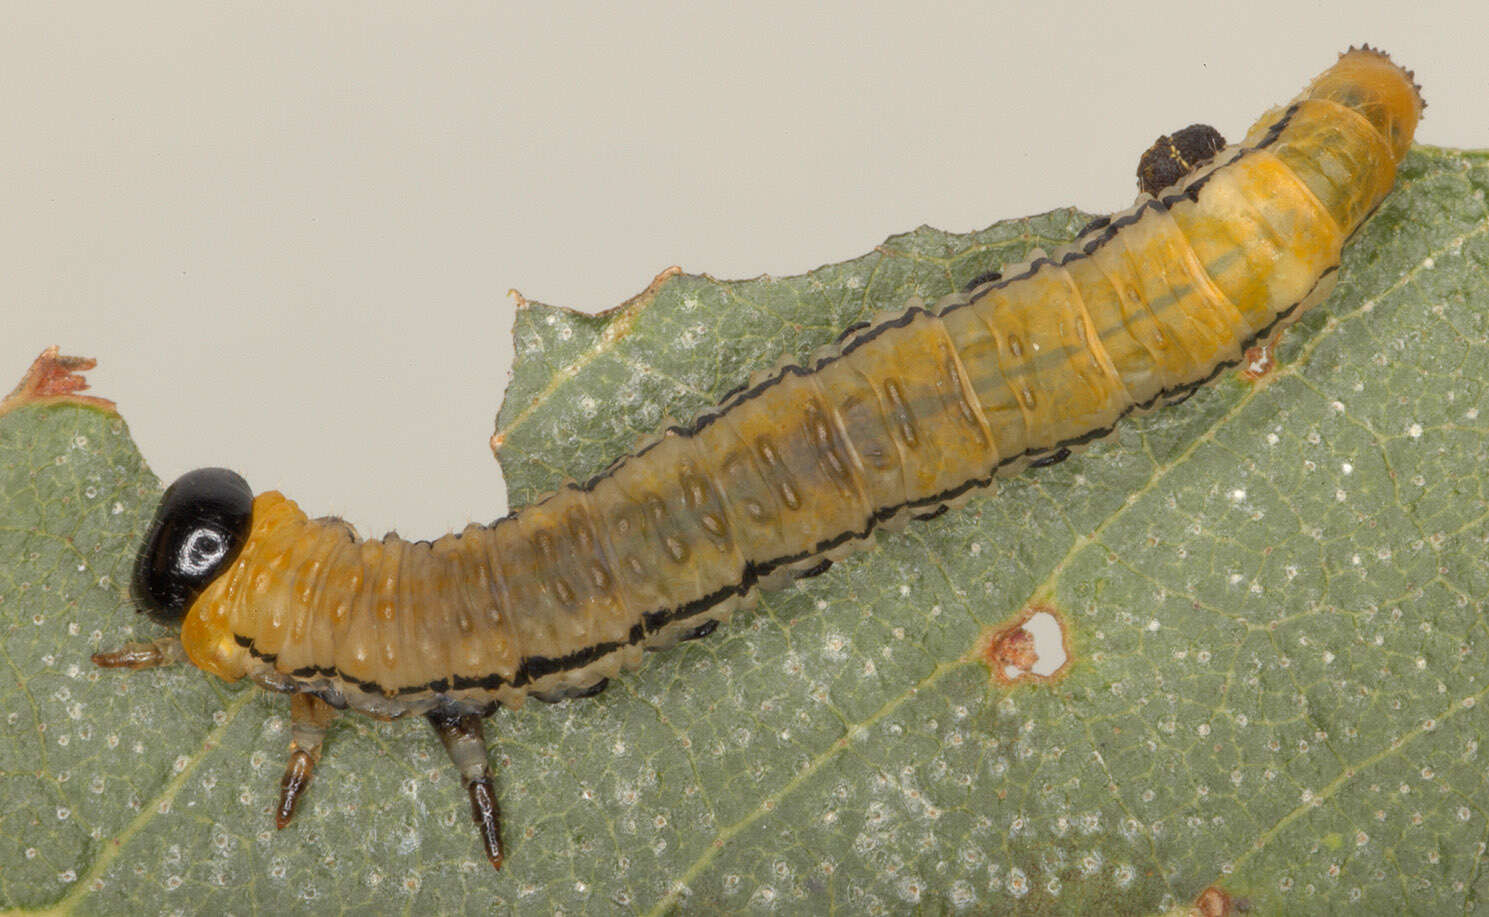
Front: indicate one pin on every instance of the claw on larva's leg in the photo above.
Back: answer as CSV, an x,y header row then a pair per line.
x,y
161,652
463,739
309,718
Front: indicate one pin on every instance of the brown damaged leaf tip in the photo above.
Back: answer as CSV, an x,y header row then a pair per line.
x,y
55,378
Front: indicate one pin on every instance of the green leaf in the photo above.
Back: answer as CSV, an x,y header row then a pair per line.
x,y
1273,596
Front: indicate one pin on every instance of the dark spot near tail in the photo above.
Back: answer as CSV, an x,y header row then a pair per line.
x,y
1171,157
980,279
1054,458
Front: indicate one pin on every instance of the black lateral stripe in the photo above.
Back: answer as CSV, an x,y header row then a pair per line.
x,y
533,668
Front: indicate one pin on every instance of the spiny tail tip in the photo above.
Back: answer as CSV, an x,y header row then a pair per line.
x,y
1366,48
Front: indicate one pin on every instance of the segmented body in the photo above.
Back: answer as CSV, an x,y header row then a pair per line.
x,y
898,420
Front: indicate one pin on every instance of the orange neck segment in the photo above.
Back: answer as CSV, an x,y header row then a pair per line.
x,y
206,632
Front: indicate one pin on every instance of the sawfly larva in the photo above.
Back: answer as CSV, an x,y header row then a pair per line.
x,y
902,418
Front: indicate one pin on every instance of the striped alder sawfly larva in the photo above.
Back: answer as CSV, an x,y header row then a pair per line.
x,y
902,418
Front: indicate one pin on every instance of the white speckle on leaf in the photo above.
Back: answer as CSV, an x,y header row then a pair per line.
x,y
962,894
1017,883
910,888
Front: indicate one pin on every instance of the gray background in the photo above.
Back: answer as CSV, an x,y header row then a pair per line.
x,y
288,235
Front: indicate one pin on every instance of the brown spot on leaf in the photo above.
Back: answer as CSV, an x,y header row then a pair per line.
x,y
1258,362
55,378
1213,902
1015,649
1033,645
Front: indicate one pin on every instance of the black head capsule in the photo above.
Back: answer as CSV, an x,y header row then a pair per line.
x,y
199,528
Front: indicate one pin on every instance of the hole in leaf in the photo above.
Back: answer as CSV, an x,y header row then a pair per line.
x,y
1033,646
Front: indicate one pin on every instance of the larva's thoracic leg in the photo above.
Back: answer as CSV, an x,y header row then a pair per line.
x,y
161,652
463,739
309,718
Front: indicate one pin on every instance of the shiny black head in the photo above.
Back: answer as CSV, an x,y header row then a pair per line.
x,y
199,528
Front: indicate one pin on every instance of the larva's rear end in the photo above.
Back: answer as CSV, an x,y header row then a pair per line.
x,y
1347,132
